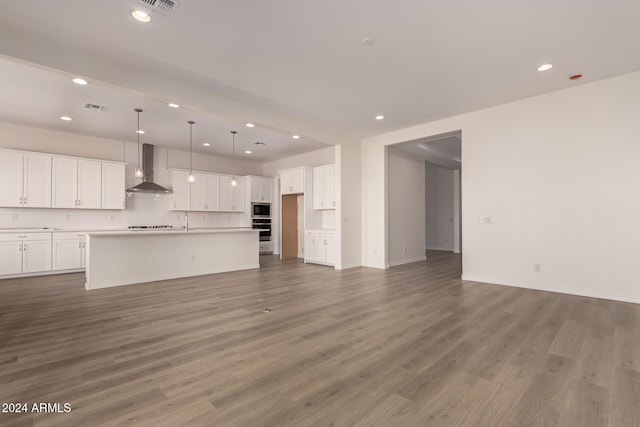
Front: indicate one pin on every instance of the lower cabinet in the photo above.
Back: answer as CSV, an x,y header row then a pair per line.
x,y
69,250
25,253
320,247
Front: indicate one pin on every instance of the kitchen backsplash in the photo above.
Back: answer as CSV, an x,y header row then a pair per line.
x,y
141,209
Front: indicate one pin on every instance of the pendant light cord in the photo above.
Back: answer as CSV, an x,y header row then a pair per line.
x,y
138,134
233,132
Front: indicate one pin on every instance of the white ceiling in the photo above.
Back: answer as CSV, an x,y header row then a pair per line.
x,y
298,66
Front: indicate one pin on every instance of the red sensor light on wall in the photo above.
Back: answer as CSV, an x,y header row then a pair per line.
x,y
575,77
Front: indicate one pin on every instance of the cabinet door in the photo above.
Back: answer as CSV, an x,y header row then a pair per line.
x,y
226,190
65,183
286,183
113,183
256,189
320,248
297,181
89,184
67,254
330,250
181,191
10,258
267,190
36,256
36,189
318,187
328,188
198,193
212,192
83,253
309,249
11,172
237,195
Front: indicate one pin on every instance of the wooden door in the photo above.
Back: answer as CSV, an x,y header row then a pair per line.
x,y
289,226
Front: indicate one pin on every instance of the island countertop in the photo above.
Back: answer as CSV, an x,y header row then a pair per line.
x,y
171,231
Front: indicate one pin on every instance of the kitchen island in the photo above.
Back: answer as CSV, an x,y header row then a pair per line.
x,y
116,258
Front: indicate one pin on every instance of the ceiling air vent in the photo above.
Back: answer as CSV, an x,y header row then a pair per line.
x,y
165,7
96,107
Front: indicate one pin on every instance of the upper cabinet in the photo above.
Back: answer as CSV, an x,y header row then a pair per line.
x,y
113,185
261,189
205,192
324,193
209,192
34,180
76,183
292,181
232,196
26,179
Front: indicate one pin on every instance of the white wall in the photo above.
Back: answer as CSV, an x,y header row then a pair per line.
x,y
320,157
439,207
557,173
348,212
406,189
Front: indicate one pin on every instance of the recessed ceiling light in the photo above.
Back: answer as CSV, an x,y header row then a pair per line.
x,y
379,117
140,131
250,125
172,105
545,67
247,151
296,137
140,15
66,118
79,81
206,144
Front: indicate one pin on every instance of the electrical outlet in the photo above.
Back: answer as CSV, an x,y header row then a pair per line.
x,y
404,250
537,268
14,217
112,218
193,258
67,217
485,219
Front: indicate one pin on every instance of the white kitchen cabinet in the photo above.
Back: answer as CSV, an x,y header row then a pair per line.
x,y
205,192
261,189
292,181
25,253
320,247
113,185
68,250
76,183
232,198
324,187
181,190
26,179
10,257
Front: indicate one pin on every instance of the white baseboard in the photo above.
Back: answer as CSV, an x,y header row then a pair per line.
x,y
348,266
406,261
547,288
440,249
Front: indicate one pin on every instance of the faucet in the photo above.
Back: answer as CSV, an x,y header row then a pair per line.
x,y
186,221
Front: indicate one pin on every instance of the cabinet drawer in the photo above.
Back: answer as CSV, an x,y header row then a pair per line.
x,y
309,233
21,237
330,233
319,233
68,235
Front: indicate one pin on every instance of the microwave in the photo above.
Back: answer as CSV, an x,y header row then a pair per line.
x,y
261,210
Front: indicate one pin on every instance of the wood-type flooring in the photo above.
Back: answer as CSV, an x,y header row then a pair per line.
x,y
410,346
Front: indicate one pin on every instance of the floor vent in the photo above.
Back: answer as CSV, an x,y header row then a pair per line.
x,y
268,309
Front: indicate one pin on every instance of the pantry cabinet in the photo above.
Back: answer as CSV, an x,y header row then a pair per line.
x,y
26,179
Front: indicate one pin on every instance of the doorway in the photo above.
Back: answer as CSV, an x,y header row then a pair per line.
x,y
290,226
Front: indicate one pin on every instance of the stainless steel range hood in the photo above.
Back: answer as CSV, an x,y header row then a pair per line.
x,y
147,185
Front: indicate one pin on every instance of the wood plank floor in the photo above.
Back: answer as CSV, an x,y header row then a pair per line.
x,y
410,346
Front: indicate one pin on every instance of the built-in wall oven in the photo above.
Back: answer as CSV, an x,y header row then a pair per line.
x,y
261,220
264,225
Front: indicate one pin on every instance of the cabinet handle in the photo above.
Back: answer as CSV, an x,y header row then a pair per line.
x,y
334,203
20,200
80,245
22,237
174,206
20,248
123,203
322,203
290,188
24,247
24,201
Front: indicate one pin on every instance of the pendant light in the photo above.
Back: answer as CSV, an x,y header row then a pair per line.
x,y
234,182
191,177
138,173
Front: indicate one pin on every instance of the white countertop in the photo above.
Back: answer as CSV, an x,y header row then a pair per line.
x,y
171,231
26,230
